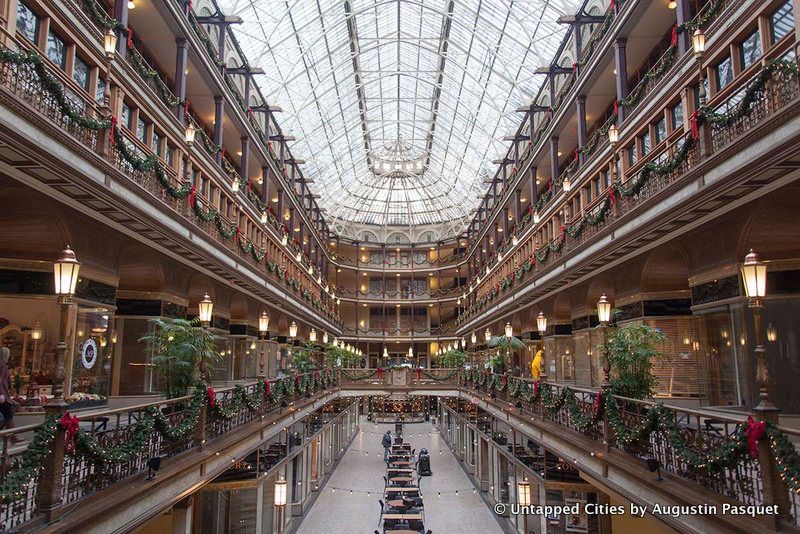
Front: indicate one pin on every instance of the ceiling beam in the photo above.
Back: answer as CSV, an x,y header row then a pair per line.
x,y
360,94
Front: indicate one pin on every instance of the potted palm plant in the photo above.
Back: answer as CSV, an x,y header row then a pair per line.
x,y
632,350
506,346
451,359
178,348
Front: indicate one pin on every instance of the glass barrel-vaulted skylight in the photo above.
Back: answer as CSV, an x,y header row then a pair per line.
x,y
399,107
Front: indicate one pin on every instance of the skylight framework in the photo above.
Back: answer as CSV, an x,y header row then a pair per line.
x,y
439,80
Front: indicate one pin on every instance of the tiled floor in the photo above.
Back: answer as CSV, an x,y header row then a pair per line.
x,y
349,502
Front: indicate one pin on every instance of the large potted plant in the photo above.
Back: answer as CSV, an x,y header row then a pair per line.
x,y
178,348
632,350
451,359
303,360
506,346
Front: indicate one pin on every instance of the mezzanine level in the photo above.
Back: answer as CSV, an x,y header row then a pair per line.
x,y
705,456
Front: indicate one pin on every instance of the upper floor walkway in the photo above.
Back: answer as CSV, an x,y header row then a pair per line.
x,y
100,461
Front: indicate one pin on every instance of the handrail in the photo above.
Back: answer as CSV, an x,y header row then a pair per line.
x,y
630,186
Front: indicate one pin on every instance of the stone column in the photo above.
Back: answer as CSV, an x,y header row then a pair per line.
x,y
580,104
219,110
554,161
180,77
121,16
683,14
621,65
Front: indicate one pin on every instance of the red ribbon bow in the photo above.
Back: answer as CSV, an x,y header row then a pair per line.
x,y
693,122
70,425
191,196
130,38
611,196
186,106
419,373
267,388
535,389
754,431
616,107
111,131
297,379
212,397
598,402
380,373
673,40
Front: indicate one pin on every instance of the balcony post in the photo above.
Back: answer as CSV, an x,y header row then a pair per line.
x,y
578,39
580,104
244,166
200,431
518,205
505,223
683,14
280,209
121,15
48,494
265,184
534,189
219,111
621,64
553,163
180,77
291,225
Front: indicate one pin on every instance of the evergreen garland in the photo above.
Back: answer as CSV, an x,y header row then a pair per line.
x,y
17,480
150,74
51,85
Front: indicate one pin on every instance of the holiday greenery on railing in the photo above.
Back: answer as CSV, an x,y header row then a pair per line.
x,y
729,452
150,74
52,86
635,184
440,374
358,375
85,445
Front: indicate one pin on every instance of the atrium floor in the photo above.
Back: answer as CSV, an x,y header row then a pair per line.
x,y
340,510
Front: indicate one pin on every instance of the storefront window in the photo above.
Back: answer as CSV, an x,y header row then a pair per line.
x,y
92,351
720,351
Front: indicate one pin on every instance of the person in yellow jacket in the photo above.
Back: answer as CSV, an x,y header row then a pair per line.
x,y
537,364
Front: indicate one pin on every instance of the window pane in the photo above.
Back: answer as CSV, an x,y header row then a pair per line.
x,y
751,50
141,130
677,116
154,142
724,73
646,143
56,50
126,116
81,73
661,131
632,156
782,21
27,22
99,93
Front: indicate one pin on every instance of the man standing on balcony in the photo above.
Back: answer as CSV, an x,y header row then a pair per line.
x,y
386,442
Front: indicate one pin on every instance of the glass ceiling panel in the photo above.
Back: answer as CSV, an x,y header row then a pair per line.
x,y
438,82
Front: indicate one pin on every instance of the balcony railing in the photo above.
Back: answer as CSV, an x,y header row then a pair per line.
x,y
108,446
763,92
708,18
393,262
30,78
709,449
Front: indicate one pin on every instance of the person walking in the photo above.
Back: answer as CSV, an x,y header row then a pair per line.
x,y
7,403
386,442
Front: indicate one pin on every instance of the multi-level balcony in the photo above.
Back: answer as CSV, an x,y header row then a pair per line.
x,y
672,131
125,114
